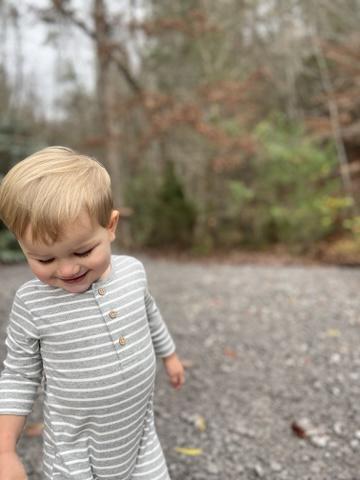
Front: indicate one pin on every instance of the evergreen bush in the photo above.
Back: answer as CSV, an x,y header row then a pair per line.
x,y
172,213
293,194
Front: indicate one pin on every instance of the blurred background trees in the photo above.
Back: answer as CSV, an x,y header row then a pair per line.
x,y
224,124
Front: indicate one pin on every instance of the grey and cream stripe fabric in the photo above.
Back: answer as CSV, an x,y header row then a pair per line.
x,y
95,353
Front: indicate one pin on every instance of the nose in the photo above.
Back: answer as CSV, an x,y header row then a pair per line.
x,y
68,269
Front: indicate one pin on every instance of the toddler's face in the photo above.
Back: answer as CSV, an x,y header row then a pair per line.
x,y
79,258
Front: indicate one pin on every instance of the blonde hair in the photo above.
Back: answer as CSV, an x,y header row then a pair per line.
x,y
50,189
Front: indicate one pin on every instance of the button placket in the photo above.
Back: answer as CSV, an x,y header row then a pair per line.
x,y
119,341
100,294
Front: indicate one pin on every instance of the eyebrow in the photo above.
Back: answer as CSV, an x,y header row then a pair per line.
x,y
40,255
85,246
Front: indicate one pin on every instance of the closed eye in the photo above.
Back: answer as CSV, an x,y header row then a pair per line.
x,y
84,254
49,260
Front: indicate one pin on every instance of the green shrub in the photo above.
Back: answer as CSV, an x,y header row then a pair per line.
x,y
173,215
352,225
9,248
162,214
140,196
17,140
292,195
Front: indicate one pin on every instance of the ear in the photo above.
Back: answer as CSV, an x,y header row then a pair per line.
x,y
114,218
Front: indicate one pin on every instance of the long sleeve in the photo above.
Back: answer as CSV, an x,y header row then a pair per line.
x,y
161,338
22,371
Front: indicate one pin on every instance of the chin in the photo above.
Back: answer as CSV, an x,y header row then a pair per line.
x,y
76,289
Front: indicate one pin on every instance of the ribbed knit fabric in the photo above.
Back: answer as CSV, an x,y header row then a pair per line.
x,y
95,352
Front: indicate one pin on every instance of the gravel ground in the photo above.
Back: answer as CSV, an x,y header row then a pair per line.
x,y
267,348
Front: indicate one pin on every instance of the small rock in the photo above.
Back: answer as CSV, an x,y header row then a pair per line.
x,y
304,347
283,475
336,391
228,368
243,430
200,476
319,441
357,434
335,359
275,467
315,467
239,468
354,444
259,471
210,341
338,428
333,445
317,385
290,362
212,468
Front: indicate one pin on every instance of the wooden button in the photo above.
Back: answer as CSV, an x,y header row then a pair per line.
x,y
122,340
101,291
113,314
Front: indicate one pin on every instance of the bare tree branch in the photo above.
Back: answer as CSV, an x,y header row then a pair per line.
x,y
334,113
114,50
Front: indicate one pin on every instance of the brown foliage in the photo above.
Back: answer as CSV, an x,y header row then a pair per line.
x,y
344,61
230,92
195,23
165,113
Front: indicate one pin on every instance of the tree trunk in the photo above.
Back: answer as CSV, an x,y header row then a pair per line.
x,y
108,115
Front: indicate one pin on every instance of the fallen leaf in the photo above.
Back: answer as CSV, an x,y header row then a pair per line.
x,y
200,423
34,430
191,452
298,430
230,353
333,332
304,428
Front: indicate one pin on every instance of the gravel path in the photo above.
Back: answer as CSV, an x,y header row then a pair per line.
x,y
266,348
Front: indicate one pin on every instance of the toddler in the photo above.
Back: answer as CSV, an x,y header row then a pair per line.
x,y
86,327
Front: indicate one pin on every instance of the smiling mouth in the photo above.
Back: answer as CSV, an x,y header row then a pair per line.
x,y
74,279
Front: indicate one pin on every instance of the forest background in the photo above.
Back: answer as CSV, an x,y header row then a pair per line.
x,y
226,125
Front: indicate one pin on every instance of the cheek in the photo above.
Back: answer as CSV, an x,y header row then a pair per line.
x,y
40,271
101,259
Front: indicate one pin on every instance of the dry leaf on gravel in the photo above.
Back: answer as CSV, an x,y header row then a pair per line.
x,y
304,429
229,352
190,452
200,423
333,332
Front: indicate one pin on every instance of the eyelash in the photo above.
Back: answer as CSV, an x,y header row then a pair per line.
x,y
46,261
84,254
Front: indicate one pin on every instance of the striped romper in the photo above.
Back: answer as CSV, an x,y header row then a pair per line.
x,y
96,355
